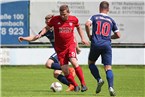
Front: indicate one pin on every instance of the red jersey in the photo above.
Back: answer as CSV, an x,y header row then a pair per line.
x,y
63,31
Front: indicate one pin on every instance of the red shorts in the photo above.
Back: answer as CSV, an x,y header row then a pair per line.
x,y
64,55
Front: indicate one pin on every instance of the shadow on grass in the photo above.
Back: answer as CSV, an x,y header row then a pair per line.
x,y
63,93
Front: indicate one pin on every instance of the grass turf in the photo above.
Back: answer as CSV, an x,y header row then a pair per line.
x,y
35,81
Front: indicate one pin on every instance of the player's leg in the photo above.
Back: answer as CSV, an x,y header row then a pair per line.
x,y
110,78
95,72
70,78
52,62
79,73
58,75
71,87
107,61
62,78
78,69
109,75
62,56
72,70
93,56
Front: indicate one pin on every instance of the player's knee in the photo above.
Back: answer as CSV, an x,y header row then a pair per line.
x,y
49,63
56,73
74,62
108,67
91,62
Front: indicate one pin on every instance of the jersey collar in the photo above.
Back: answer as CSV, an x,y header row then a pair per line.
x,y
103,14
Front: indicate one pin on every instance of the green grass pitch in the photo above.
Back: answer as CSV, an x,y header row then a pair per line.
x,y
35,81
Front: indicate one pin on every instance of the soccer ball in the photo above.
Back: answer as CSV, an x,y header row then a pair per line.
x,y
56,87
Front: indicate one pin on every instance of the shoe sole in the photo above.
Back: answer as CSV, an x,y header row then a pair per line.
x,y
112,93
83,90
98,90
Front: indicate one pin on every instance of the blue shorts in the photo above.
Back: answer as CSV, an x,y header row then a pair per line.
x,y
54,58
105,51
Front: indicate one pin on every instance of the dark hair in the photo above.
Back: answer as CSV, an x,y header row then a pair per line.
x,y
64,7
104,5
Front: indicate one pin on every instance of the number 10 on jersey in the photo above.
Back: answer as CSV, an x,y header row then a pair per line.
x,y
103,28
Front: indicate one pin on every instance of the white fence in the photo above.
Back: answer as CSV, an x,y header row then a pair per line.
x,y
36,56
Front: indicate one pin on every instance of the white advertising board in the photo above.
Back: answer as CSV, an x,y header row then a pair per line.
x,y
36,56
128,14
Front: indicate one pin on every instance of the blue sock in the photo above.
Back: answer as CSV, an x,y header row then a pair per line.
x,y
95,72
56,66
63,79
109,76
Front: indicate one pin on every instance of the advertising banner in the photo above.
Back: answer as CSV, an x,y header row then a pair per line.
x,y
14,21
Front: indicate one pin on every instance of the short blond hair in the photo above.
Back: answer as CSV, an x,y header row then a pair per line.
x,y
49,16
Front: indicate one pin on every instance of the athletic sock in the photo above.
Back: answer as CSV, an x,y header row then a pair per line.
x,y
80,75
71,79
56,66
63,79
94,71
109,76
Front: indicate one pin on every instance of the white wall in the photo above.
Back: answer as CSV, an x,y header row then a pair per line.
x,y
35,56
128,14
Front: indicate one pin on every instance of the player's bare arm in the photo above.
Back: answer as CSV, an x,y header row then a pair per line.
x,y
33,38
87,27
29,38
80,31
44,30
116,35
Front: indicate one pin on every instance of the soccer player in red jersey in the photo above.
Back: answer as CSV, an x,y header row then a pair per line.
x,y
52,62
65,44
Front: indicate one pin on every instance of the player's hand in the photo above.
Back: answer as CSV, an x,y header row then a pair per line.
x,y
78,50
85,42
20,39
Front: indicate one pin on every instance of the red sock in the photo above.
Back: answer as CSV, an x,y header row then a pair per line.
x,y
70,78
80,74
